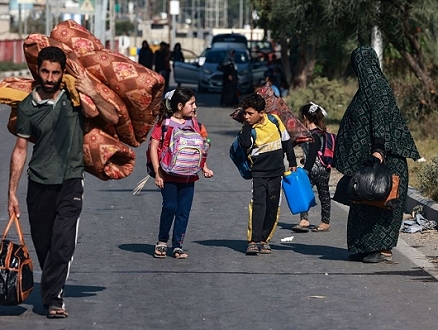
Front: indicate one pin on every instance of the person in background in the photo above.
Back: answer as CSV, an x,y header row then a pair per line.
x,y
266,151
372,130
179,105
230,80
270,80
162,63
177,56
145,55
55,172
312,116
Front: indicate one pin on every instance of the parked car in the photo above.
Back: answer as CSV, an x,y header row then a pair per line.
x,y
207,75
262,49
229,40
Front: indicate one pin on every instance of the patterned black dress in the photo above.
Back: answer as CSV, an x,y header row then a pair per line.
x,y
373,118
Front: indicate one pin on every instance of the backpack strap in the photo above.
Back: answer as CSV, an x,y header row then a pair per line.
x,y
196,124
274,120
322,137
164,127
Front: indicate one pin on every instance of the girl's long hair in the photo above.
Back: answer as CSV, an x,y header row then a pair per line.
x,y
169,107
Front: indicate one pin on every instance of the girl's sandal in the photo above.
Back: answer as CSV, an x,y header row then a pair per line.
x,y
178,253
160,250
319,229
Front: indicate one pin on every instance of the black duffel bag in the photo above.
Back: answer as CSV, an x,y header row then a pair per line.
x,y
370,183
16,269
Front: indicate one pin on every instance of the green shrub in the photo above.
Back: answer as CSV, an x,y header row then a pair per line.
x,y
9,66
333,95
427,178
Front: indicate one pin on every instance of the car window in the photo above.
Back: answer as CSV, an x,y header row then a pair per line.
x,y
263,46
219,57
215,57
235,38
241,57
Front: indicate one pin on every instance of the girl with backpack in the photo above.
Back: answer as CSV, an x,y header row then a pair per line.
x,y
312,116
177,116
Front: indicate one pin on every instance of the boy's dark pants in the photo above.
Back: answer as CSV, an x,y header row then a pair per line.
x,y
265,201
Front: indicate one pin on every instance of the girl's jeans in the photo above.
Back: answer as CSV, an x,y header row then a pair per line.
x,y
177,202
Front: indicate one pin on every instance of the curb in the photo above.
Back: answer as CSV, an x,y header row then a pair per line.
x,y
430,207
18,73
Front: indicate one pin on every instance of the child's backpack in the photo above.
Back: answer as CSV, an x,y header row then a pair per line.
x,y
240,156
327,153
182,150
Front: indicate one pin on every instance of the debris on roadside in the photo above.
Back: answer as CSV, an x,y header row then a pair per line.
x,y
417,222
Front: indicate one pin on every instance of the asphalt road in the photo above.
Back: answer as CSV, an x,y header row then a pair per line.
x,y
115,283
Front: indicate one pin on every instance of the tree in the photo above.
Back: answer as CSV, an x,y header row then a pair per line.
x,y
309,26
302,30
403,24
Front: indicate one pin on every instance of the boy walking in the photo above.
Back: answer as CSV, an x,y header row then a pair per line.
x,y
266,139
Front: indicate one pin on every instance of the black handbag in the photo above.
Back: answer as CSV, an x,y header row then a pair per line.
x,y
16,269
370,183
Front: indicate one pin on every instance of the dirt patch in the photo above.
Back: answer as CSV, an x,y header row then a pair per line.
x,y
426,242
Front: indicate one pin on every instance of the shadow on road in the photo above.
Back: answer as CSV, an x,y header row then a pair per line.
x,y
72,291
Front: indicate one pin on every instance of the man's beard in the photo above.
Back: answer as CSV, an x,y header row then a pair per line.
x,y
51,88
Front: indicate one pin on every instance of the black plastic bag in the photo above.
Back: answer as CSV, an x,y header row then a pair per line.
x,y
341,195
370,183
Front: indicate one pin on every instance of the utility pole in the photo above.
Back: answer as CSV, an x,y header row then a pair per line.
x,y
173,12
241,14
48,18
376,40
100,15
112,19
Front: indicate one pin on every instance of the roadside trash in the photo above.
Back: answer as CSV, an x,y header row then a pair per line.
x,y
287,239
140,185
418,223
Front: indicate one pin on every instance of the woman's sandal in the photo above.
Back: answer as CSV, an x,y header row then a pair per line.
x,y
56,313
160,250
178,253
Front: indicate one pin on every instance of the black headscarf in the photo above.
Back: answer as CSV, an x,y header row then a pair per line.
x,y
372,117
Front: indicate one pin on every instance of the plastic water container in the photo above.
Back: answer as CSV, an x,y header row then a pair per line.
x,y
298,191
